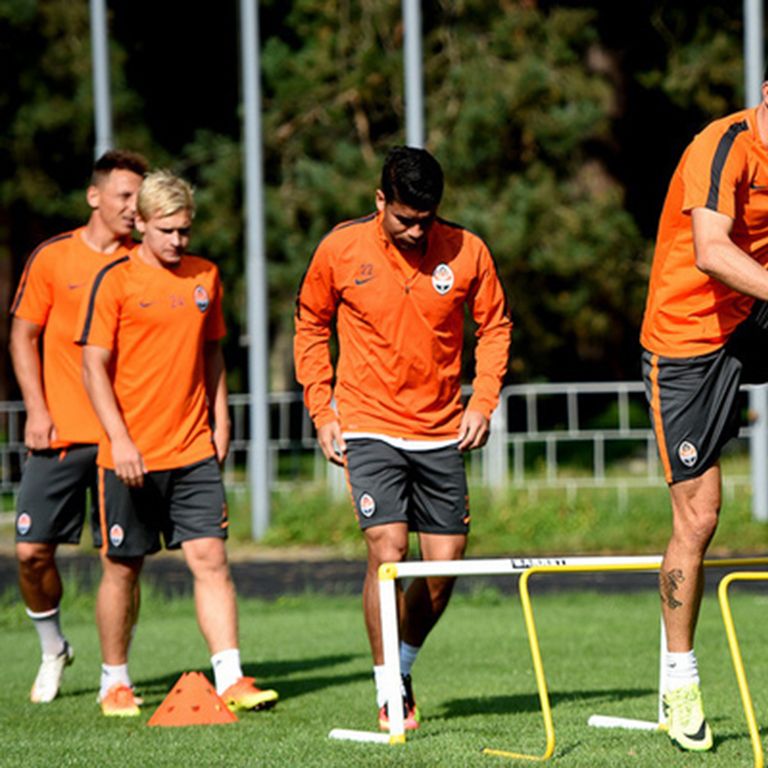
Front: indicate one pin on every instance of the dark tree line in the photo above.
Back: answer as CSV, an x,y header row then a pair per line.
x,y
558,125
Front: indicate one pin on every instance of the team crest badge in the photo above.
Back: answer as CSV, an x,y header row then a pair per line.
x,y
23,524
201,298
367,505
687,453
442,279
116,535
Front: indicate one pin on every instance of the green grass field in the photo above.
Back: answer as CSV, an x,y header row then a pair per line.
x,y
474,682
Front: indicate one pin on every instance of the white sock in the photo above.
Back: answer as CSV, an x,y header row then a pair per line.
x,y
48,630
378,679
226,668
408,654
681,669
112,674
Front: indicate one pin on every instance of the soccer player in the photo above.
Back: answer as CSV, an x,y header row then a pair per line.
x,y
397,283
703,334
152,363
61,429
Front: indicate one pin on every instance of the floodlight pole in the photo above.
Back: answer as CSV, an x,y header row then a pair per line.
x,y
258,360
414,81
102,102
754,60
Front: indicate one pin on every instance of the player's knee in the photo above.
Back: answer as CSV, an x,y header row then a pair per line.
x,y
34,557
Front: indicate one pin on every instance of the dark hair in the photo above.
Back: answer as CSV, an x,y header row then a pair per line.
x,y
118,160
412,177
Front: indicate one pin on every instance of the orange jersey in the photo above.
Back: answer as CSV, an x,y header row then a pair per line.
x,y
725,169
400,323
51,288
155,321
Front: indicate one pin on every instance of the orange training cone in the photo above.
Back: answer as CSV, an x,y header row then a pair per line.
x,y
192,701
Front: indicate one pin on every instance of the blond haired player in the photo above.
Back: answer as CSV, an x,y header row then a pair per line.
x,y
150,328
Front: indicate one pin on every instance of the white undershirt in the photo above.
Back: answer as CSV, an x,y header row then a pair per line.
x,y
403,443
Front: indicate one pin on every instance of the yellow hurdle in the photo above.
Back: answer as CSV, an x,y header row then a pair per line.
x,y
526,568
738,663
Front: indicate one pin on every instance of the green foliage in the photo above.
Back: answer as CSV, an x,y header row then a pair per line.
x,y
532,109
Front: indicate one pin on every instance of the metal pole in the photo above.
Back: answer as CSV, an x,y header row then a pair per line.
x,y
754,62
414,85
102,102
258,361
758,451
754,51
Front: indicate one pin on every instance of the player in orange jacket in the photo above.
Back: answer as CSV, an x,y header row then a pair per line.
x,y
704,333
397,283
61,429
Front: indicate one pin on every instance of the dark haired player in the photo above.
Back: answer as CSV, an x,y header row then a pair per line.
x,y
397,283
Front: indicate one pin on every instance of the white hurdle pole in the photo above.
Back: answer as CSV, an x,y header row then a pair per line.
x,y
629,723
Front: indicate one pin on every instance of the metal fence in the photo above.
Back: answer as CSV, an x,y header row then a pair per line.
x,y
567,437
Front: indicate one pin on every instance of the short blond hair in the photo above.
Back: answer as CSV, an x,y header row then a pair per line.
x,y
162,193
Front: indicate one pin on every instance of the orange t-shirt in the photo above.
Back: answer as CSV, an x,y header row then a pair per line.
x,y
49,295
725,169
155,320
400,325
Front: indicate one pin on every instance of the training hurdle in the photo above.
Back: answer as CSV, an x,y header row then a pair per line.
x,y
525,567
738,663
390,572
595,720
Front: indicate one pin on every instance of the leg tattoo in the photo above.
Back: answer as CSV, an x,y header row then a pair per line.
x,y
670,582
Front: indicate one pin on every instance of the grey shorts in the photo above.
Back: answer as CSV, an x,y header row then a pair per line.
x,y
694,402
425,489
178,504
51,505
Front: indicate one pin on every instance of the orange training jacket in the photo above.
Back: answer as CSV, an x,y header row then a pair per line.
x,y
400,321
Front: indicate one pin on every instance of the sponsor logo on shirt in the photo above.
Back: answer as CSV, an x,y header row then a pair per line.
x,y
367,505
442,279
23,524
116,535
365,275
688,453
201,298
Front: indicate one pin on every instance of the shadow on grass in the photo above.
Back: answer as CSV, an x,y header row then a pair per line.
x,y
267,674
504,705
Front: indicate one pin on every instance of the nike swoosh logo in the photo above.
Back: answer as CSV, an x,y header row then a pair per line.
x,y
363,281
145,304
73,286
699,735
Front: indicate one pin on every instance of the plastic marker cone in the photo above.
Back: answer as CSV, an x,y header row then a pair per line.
x,y
192,701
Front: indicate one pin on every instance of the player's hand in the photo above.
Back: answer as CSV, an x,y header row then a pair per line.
x,y
39,431
332,443
129,464
474,431
221,442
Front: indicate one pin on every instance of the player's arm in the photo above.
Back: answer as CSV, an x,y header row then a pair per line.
x,y
39,429
720,258
216,389
315,309
129,464
488,305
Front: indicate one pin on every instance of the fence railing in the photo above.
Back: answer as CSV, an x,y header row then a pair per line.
x,y
568,436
